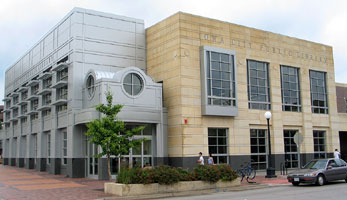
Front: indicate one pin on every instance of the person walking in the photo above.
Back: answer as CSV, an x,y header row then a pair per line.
x,y
201,159
337,154
210,160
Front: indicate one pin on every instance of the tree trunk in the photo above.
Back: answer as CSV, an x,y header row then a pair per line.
x,y
109,167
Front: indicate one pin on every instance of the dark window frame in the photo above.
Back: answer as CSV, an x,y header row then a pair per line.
x,y
319,95
290,78
215,148
258,87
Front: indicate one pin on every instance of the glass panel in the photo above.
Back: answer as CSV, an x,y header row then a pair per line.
x,y
224,57
222,149
225,67
137,89
214,56
215,66
136,79
127,79
147,147
212,141
222,159
128,89
137,150
147,161
212,132
148,130
222,141
137,162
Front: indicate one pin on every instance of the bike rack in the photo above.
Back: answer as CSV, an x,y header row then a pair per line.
x,y
284,169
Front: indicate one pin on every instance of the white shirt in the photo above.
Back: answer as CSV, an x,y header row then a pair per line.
x,y
336,155
201,160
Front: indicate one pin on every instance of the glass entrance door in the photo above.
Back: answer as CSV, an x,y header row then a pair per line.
x,y
290,148
92,161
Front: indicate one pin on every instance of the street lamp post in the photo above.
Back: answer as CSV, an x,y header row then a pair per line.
x,y
270,171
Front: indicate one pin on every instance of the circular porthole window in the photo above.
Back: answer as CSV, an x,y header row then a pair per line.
x,y
132,84
90,85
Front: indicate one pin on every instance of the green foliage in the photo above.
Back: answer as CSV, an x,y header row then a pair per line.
x,y
209,173
135,176
186,175
167,175
227,173
111,134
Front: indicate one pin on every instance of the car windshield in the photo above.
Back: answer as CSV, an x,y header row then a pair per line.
x,y
316,164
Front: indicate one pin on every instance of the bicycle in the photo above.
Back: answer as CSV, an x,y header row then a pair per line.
x,y
247,172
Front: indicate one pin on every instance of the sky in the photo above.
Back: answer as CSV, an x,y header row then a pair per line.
x,y
25,22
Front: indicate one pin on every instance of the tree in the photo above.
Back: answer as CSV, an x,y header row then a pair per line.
x,y
110,133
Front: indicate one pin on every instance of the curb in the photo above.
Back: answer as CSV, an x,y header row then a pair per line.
x,y
197,193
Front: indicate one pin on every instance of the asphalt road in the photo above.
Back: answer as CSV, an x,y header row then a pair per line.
x,y
331,191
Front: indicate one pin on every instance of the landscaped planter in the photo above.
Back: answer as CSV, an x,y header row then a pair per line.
x,y
154,188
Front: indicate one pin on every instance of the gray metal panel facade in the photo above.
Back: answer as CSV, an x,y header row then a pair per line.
x,y
83,41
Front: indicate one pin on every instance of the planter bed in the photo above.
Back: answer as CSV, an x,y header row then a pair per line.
x,y
154,188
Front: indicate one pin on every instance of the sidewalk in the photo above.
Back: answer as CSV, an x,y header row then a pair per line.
x,y
19,183
261,183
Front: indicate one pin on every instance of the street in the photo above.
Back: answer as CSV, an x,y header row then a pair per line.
x,y
331,191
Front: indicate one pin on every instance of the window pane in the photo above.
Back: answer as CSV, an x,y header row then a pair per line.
x,y
212,141
147,147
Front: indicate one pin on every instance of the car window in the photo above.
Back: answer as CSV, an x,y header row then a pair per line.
x,y
343,163
338,163
332,163
316,164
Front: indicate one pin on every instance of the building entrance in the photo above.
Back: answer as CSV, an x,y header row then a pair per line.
x,y
93,163
343,144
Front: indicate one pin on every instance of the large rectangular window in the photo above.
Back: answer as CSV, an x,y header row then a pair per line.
x,y
64,148
47,83
62,93
46,99
258,85
218,144
290,149
48,148
34,104
319,99
290,89
62,75
258,148
220,79
218,82
319,144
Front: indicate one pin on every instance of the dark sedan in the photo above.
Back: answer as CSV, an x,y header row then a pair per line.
x,y
319,172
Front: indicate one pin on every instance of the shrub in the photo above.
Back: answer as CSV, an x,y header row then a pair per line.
x,y
169,175
125,176
166,175
209,173
186,175
227,173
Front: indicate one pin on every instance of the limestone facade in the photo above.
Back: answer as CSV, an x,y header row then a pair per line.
x,y
173,58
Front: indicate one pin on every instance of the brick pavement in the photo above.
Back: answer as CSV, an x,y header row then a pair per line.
x,y
18,183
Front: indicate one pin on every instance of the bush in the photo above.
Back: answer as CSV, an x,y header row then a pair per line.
x,y
135,176
227,173
169,175
186,175
166,175
209,173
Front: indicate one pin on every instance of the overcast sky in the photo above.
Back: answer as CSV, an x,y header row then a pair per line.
x,y
24,22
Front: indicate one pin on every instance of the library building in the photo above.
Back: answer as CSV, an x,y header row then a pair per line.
x,y
198,84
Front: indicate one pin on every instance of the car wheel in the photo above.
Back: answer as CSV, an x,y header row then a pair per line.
x,y
295,183
320,180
